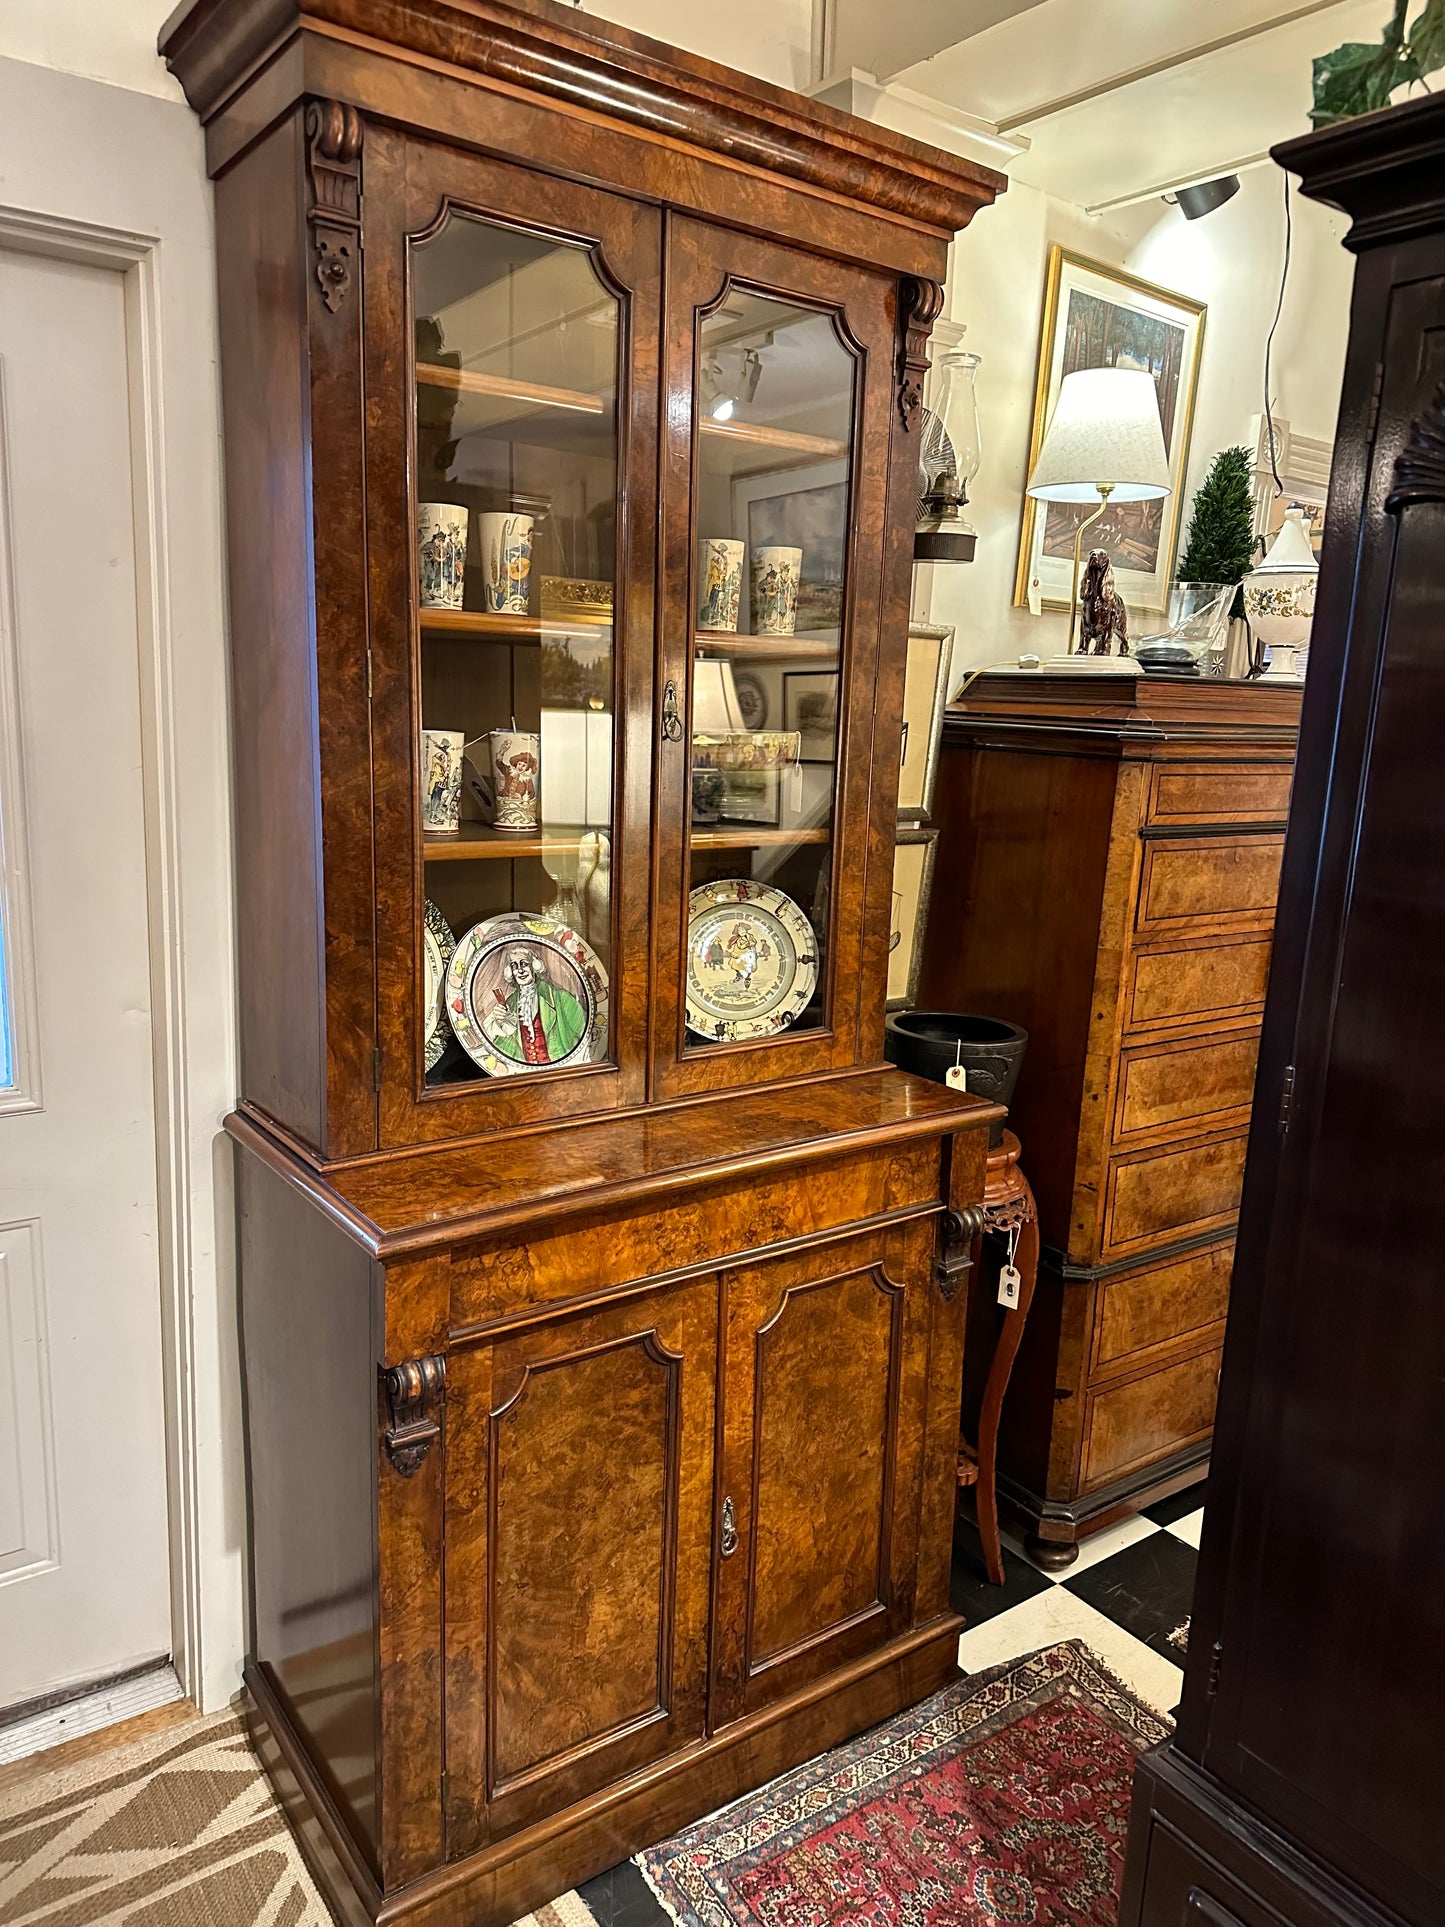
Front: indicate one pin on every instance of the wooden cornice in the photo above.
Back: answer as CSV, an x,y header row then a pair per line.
x,y
1123,715
1385,170
594,66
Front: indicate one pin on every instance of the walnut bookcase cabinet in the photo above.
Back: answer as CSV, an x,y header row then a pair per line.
x,y
601,1419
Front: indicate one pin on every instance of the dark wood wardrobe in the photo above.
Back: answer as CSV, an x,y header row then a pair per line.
x,y
1305,1783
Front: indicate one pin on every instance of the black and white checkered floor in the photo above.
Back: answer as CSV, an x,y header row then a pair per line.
x,y
1128,1595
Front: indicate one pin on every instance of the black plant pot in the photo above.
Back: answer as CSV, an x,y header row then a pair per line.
x,y
930,1042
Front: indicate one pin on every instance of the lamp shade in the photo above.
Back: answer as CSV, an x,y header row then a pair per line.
x,y
1105,432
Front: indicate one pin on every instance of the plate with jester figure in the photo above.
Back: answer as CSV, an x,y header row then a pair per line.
x,y
526,993
437,945
752,960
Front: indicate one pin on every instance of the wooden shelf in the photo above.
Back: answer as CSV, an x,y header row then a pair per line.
x,y
805,448
741,836
771,648
475,842
529,394
520,629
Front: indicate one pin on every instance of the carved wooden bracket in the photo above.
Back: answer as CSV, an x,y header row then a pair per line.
x,y
955,1257
1420,465
414,1395
333,134
920,304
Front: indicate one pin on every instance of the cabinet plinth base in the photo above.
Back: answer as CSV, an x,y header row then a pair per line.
x,y
1056,1527
498,1884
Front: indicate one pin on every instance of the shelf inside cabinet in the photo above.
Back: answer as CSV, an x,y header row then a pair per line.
x,y
743,836
772,648
477,841
523,395
500,628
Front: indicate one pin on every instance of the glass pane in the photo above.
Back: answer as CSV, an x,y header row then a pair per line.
x,y
775,400
517,346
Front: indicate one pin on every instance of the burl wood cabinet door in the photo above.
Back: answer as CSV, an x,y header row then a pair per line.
x,y
578,1536
824,1383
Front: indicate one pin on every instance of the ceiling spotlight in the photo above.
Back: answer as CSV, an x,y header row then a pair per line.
x,y
1193,202
752,374
719,397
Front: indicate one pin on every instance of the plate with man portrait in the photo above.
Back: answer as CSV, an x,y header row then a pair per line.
x,y
525,993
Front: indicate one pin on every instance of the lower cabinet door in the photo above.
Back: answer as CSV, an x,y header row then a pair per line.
x,y
579,1485
820,1480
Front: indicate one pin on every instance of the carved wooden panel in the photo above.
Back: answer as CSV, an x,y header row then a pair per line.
x,y
1173,986
1155,1197
1161,1304
1149,1417
1185,878
1179,1089
1219,793
579,1494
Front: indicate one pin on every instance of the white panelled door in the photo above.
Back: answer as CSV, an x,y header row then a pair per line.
x,y
84,1579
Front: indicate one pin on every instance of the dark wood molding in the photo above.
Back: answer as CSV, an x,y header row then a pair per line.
x,y
415,1397
955,1253
1385,170
333,141
1420,466
593,67
920,304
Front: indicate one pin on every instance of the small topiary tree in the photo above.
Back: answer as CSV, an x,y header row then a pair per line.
x,y
1220,547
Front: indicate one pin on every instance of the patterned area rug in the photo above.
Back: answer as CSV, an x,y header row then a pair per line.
x,y
176,1831
1003,1799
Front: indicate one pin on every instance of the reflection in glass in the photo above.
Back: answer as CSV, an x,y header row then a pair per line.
x,y
775,388
516,343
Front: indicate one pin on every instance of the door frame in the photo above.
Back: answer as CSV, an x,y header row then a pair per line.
x,y
179,565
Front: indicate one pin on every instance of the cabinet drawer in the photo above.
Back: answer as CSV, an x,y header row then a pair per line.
x,y
1143,1310
1150,1417
1178,1089
1176,985
1155,1197
1186,879
1220,793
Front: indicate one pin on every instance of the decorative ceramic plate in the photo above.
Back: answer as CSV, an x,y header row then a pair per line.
x,y
752,960
437,944
525,993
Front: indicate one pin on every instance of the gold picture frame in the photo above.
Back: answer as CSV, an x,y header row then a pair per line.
x,y
925,693
914,850
1164,333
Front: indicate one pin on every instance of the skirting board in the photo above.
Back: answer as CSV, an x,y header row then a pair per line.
x,y
514,1876
1064,1522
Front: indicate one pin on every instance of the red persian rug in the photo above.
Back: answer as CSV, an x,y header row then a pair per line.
x,y
1004,1798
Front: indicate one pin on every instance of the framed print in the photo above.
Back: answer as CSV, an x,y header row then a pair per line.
x,y
801,508
913,855
752,796
1098,317
925,691
810,705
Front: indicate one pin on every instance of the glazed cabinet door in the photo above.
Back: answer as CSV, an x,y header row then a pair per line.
x,y
782,567
826,1357
578,1539
511,350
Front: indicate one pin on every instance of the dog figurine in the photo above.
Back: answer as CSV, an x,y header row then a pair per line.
x,y
1103,607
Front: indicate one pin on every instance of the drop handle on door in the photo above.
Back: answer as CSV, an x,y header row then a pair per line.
x,y
729,1540
671,721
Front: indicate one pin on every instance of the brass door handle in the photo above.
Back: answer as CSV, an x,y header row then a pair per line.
x,y
729,1541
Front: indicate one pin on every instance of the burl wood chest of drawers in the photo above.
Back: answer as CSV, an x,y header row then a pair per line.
x,y
1106,877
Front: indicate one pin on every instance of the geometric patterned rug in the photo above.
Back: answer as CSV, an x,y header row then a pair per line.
x,y
1004,1798
179,1830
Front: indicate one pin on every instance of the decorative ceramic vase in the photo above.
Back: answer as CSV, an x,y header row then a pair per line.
x,y
1279,596
595,885
441,781
517,778
928,1042
505,541
441,547
775,574
719,583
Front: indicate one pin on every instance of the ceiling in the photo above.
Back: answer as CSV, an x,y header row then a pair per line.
x,y
1115,99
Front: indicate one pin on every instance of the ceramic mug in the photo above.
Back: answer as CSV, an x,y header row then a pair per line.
x,y
516,778
719,582
775,576
441,781
505,541
441,543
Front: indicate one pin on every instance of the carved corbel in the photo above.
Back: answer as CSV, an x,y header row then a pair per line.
x,y
414,1394
1420,466
955,1257
333,135
920,304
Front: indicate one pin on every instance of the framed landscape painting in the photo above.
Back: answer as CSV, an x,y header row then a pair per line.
x,y
1099,317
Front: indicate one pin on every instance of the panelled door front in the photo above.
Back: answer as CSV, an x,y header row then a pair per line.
x,y
823,1410
578,1540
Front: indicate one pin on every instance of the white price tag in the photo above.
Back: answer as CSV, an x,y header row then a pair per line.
x,y
795,788
1009,1280
956,1078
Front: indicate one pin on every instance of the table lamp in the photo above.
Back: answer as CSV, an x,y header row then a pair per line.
x,y
1104,440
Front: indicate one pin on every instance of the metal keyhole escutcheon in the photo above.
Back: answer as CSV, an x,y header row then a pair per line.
x,y
671,721
729,1530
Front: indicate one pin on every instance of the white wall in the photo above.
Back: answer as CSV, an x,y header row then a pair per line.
x,y
769,38
1231,260
113,40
